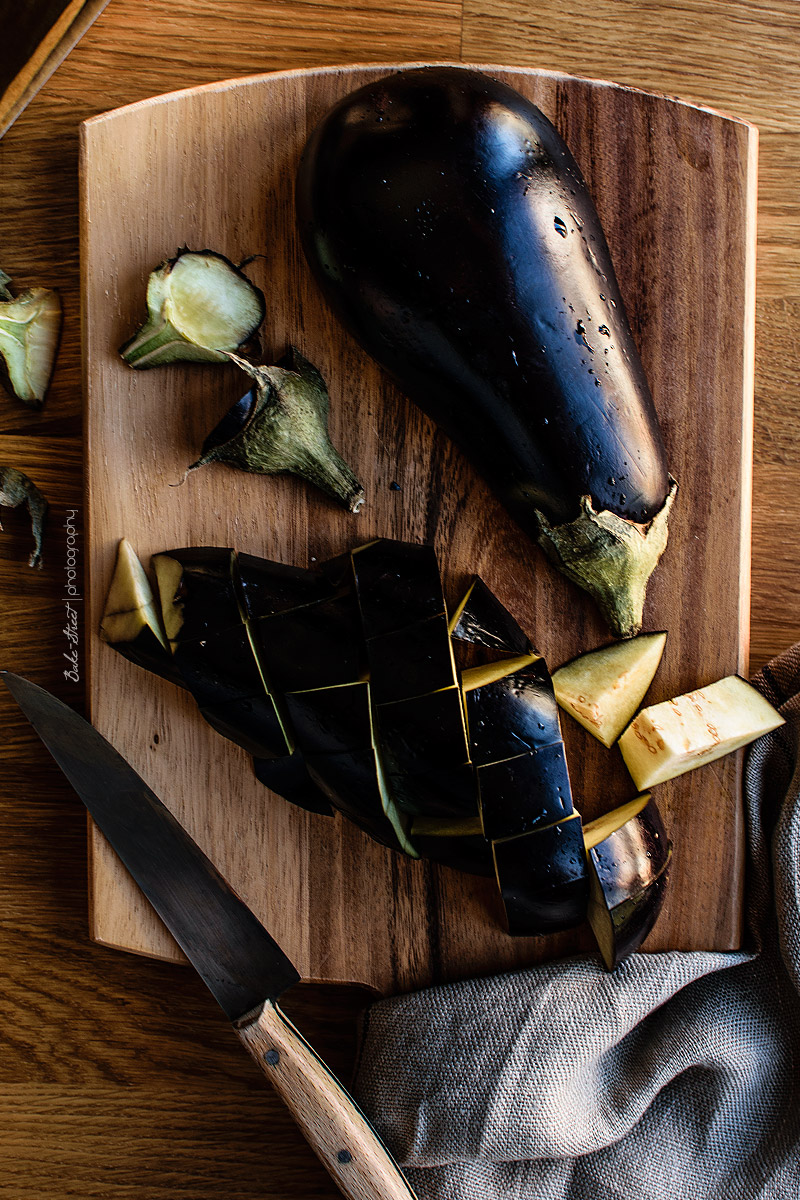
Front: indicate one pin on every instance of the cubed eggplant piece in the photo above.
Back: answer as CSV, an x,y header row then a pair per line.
x,y
449,794
411,662
620,930
472,854
668,739
543,879
147,652
603,688
458,844
339,571
423,733
252,722
131,618
398,584
269,588
331,720
197,591
483,621
288,777
510,714
525,793
352,782
317,646
628,857
220,668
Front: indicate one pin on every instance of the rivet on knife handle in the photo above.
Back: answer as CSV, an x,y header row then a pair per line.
x,y
330,1119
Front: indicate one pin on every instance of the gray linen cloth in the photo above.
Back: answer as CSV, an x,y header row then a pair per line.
x,y
677,1076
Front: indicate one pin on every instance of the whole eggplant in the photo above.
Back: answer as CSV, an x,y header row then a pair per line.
x,y
453,234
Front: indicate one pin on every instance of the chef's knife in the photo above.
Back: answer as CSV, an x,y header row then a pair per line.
x,y
244,968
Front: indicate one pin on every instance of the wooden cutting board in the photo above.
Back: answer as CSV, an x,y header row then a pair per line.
x,y
675,186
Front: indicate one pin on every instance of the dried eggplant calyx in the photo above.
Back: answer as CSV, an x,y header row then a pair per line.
x,y
281,425
199,306
30,327
16,489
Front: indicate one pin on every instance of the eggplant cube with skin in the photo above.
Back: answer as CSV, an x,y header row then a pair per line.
x,y
354,783
398,584
511,708
288,777
621,930
629,854
668,739
198,592
253,721
526,792
411,662
481,620
268,588
450,794
317,646
543,878
424,733
331,720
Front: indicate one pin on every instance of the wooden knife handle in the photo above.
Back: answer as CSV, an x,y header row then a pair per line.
x,y
333,1124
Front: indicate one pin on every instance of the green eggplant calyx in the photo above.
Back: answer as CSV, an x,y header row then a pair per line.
x,y
610,558
199,306
281,425
30,328
16,489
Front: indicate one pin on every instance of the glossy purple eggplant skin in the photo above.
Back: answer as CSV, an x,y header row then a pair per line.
x,y
453,234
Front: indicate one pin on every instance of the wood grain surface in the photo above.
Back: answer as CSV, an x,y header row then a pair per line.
x,y
38,37
119,1074
675,188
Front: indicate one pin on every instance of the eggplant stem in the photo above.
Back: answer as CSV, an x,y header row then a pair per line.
x,y
16,489
610,557
155,345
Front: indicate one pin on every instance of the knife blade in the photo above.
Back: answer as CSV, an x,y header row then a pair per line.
x,y
241,964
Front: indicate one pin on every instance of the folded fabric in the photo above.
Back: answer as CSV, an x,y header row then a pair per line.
x,y
677,1076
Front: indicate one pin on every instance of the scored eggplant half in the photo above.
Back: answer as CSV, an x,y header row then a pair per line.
x,y
470,773
453,234
288,777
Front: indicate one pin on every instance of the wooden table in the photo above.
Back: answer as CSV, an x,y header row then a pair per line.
x,y
119,1076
